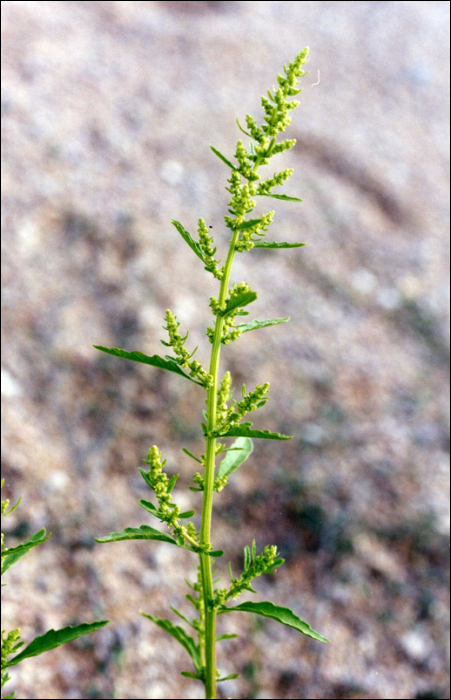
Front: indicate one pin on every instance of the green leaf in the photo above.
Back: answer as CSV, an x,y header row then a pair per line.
x,y
223,158
253,325
237,300
188,239
245,430
241,129
284,197
187,514
156,361
247,558
13,508
241,449
147,505
53,639
273,244
145,532
248,224
181,636
13,554
172,482
182,616
187,674
279,613
228,678
226,636
190,454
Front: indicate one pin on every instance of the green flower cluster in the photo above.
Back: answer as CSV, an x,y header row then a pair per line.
x,y
241,204
254,566
229,332
250,402
10,644
219,482
182,355
206,243
168,511
277,108
218,485
275,181
223,396
198,602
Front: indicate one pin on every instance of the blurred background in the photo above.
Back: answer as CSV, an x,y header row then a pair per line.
x,y
108,110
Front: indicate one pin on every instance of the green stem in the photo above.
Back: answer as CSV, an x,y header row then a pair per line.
x,y
205,560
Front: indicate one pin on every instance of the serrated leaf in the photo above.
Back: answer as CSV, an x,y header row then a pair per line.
x,y
145,532
223,158
274,244
195,247
278,613
147,505
246,430
237,300
253,325
53,639
155,360
180,635
241,449
284,197
13,554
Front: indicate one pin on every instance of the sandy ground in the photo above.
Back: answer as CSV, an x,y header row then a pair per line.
x,y
108,109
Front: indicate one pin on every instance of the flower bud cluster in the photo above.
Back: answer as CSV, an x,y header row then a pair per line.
x,y
247,240
229,332
168,511
223,396
241,202
183,356
278,179
206,243
261,564
10,644
278,107
255,399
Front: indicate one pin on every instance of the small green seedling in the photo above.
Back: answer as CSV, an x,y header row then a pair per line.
x,y
50,640
224,415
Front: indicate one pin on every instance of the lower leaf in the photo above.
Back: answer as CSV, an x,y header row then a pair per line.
x,y
53,639
278,613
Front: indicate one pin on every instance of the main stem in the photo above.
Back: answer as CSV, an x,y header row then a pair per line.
x,y
205,560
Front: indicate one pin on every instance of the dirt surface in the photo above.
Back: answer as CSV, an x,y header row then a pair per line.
x,y
108,109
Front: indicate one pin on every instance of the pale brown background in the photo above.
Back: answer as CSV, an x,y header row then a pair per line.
x,y
108,111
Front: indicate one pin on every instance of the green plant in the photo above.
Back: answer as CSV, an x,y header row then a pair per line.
x,y
224,416
50,640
